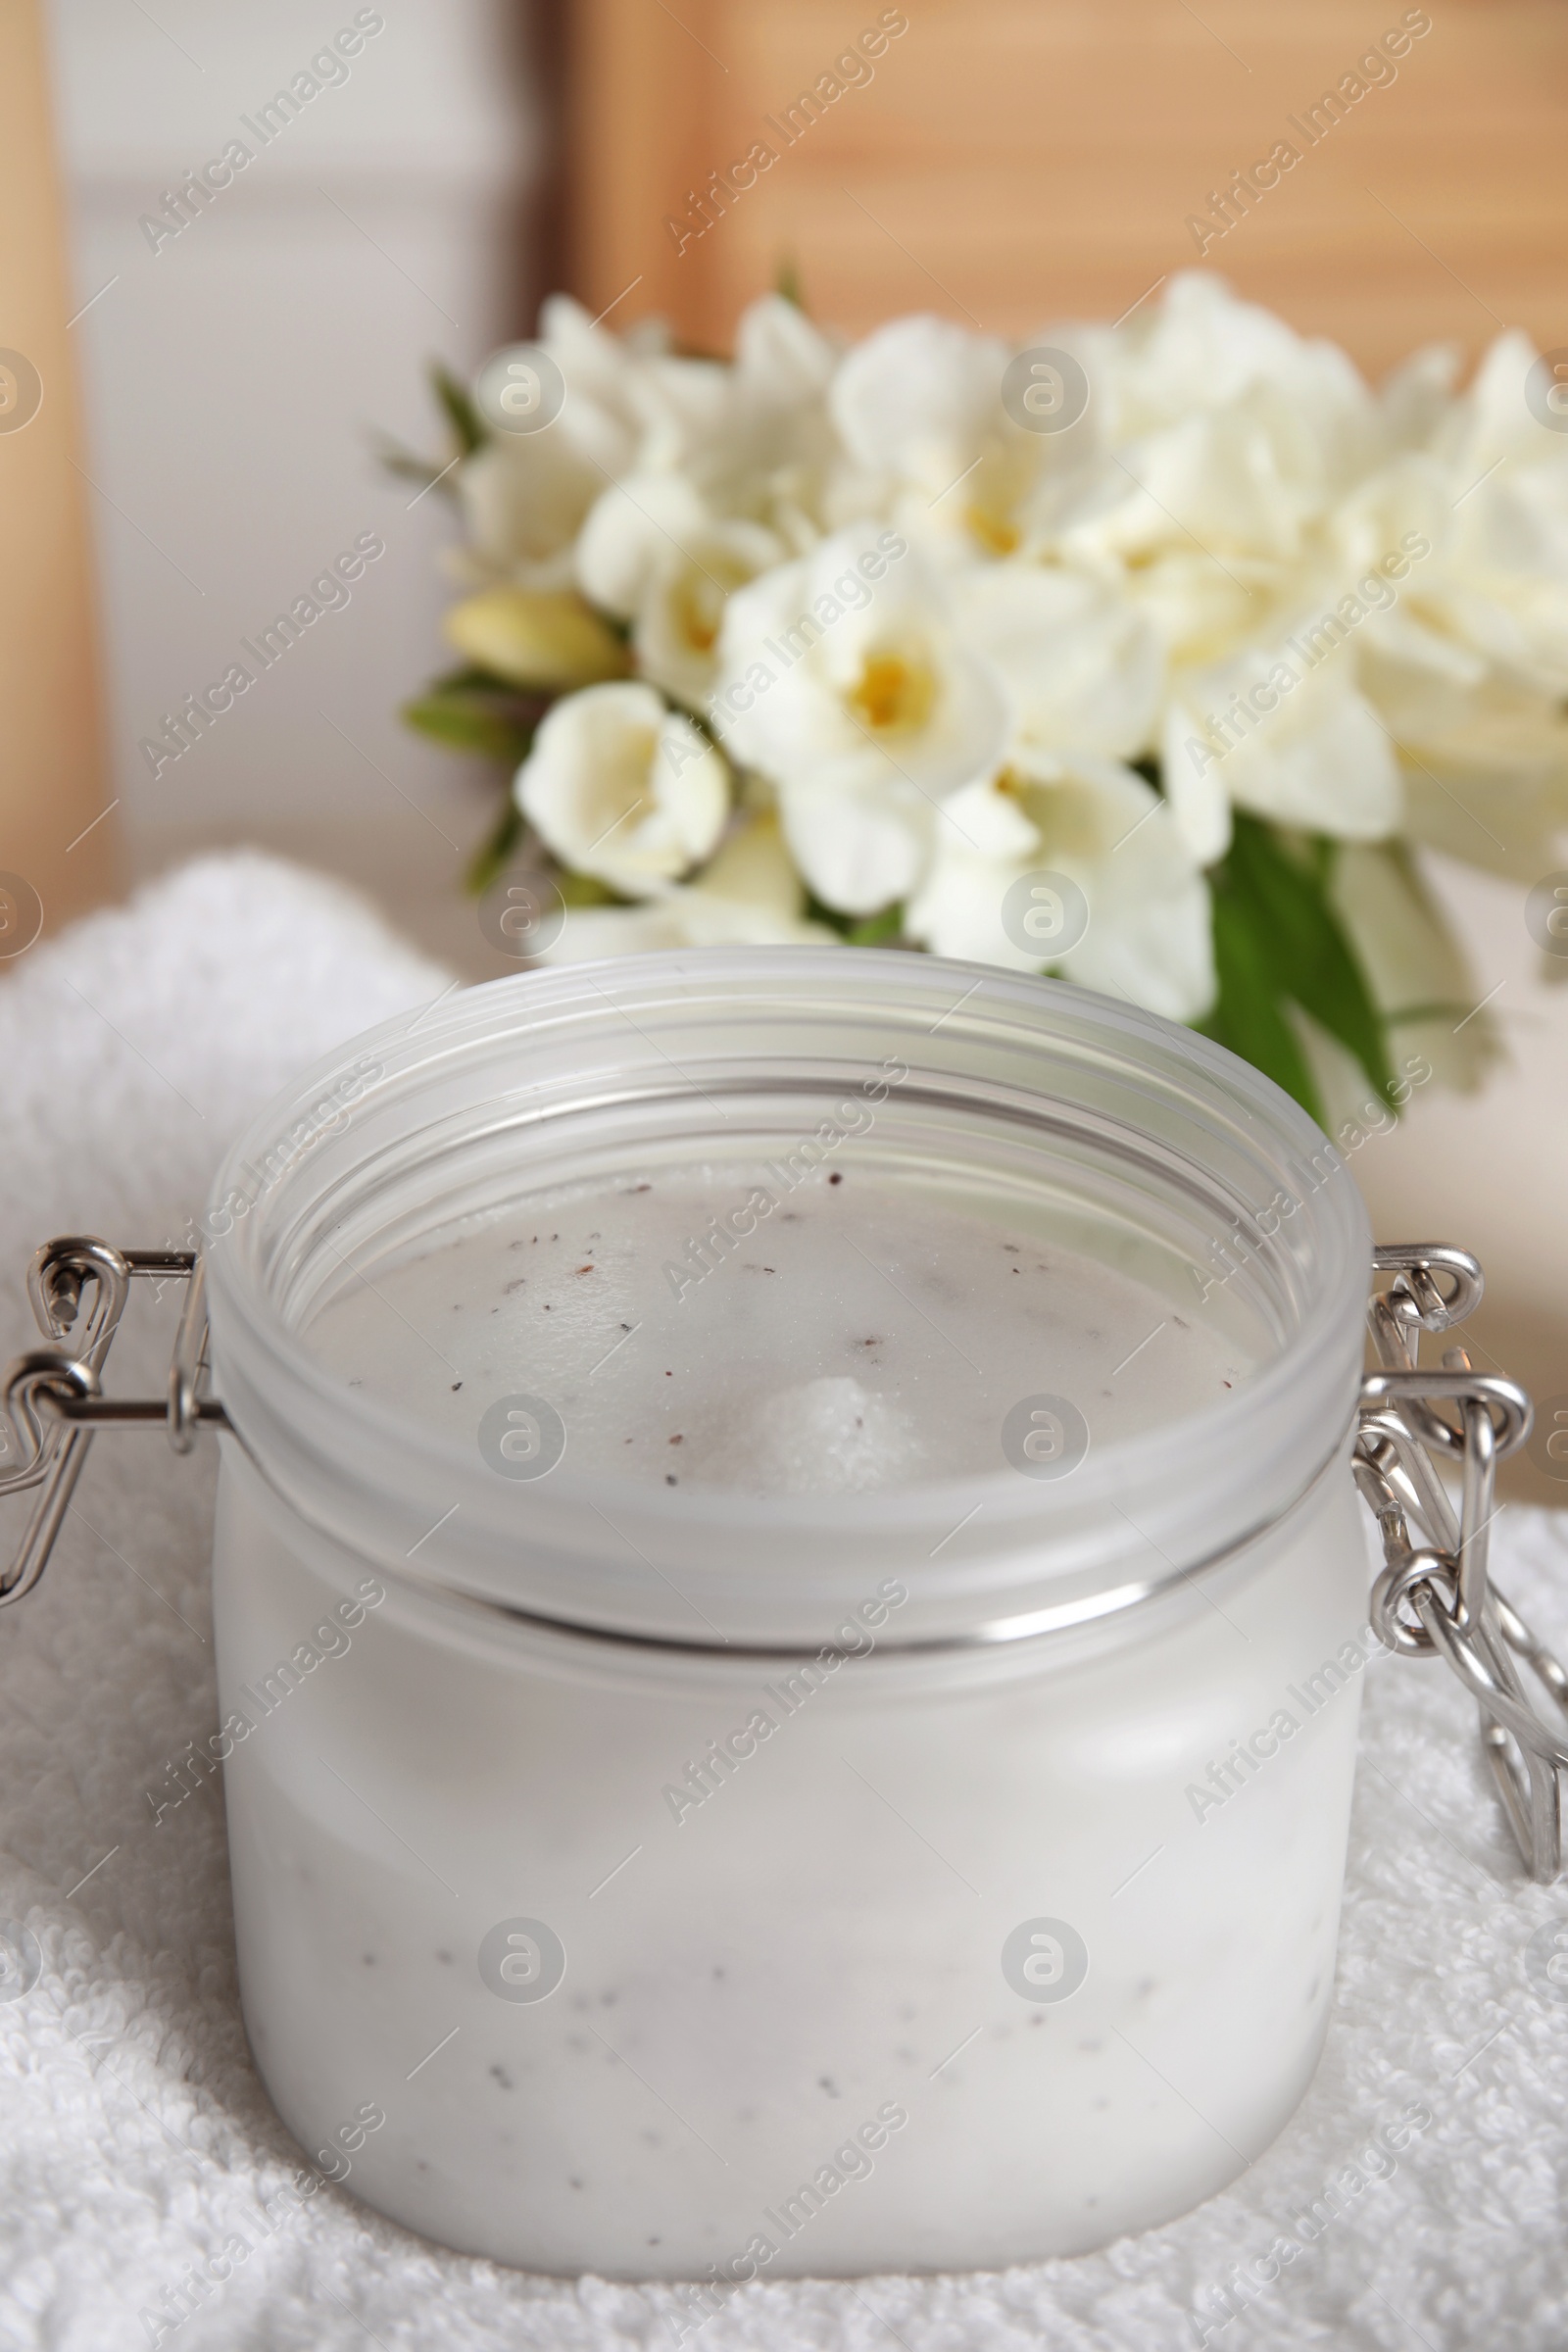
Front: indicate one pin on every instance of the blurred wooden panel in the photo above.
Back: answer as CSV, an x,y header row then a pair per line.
x,y
1016,162
57,837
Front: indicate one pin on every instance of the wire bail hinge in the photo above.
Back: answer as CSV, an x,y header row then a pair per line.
x,y
52,1404
1435,1598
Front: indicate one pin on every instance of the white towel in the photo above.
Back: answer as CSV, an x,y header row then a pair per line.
x,y
134,2131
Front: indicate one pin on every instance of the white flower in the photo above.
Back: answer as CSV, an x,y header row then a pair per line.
x,y
845,679
1228,440
630,533
917,396
1202,350
681,609
525,496
747,896
1299,744
1082,666
622,789
920,412
1101,827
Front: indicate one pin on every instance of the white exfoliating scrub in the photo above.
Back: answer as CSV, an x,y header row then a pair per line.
x,y
856,1335
787,1708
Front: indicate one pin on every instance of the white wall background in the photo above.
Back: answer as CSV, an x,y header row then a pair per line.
x,y
234,379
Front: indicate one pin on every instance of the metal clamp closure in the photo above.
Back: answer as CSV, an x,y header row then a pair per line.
x,y
1435,1598
53,1400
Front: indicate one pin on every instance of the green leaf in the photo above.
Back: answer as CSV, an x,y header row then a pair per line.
x,y
460,413
586,890
1248,1014
490,860
469,722
857,930
875,930
405,467
1298,943
469,710
787,282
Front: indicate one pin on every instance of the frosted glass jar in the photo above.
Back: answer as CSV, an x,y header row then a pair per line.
x,y
1015,1928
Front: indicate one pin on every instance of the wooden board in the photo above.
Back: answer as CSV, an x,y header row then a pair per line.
x,y
1016,162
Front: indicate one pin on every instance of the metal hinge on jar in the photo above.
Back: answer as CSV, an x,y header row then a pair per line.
x,y
53,1396
1434,1597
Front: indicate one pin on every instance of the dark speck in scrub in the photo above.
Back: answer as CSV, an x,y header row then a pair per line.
x,y
827,2083
516,1283
678,1439
502,2078
369,1959
837,1176
671,1480
585,1269
642,1187
1011,1249
574,2183
456,1385
445,1957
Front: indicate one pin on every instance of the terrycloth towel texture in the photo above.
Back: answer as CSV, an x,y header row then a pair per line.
x,y
135,2132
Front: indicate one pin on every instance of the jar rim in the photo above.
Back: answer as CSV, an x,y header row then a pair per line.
x,y
985,1544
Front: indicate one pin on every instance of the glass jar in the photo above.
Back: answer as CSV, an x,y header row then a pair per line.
x,y
999,1915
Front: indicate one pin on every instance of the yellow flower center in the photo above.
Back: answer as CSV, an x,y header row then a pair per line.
x,y
700,602
992,530
894,695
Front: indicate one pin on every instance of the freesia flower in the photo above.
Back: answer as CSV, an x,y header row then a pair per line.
x,y
680,612
920,412
1233,635
533,638
622,789
1095,821
845,679
749,894
1081,666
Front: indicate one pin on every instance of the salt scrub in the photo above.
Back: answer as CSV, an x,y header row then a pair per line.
x,y
880,1851
850,1335
678,1858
